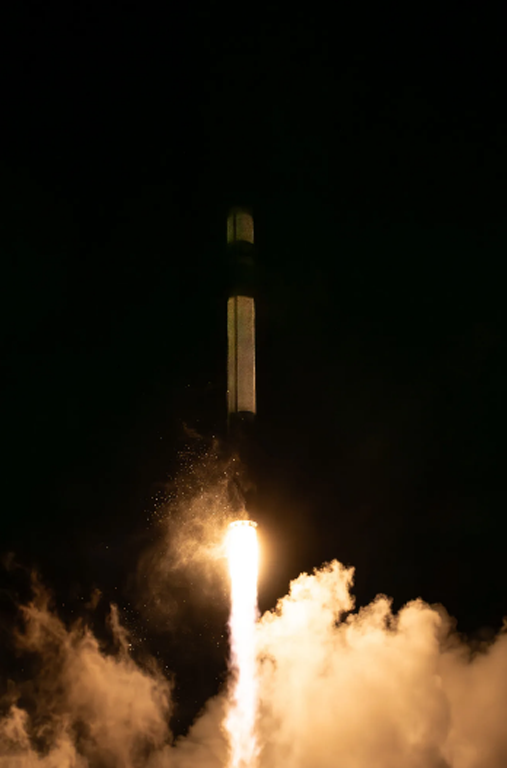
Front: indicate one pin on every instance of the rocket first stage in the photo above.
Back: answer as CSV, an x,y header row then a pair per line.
x,y
241,399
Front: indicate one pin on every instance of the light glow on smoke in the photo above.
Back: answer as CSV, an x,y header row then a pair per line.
x,y
317,683
243,558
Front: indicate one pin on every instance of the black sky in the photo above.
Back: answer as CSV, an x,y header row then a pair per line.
x,y
372,147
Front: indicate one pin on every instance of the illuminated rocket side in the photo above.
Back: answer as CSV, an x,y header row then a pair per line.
x,y
241,396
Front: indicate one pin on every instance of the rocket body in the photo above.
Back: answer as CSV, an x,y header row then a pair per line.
x,y
241,394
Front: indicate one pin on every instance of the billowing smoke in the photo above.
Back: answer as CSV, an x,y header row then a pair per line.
x,y
374,688
337,688
86,707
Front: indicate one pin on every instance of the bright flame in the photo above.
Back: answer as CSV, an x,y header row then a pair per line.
x,y
243,556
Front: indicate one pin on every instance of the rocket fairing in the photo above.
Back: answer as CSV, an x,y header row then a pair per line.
x,y
241,396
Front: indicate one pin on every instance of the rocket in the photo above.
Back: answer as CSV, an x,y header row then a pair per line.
x,y
241,395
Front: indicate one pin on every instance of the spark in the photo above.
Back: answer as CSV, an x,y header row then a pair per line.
x,y
243,557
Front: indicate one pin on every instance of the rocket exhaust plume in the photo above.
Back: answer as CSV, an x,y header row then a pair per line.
x,y
243,556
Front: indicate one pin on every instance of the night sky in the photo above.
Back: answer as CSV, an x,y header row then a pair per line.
x,y
372,148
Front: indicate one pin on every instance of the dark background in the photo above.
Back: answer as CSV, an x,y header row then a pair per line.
x,y
371,145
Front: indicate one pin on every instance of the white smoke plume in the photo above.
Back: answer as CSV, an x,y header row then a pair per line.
x,y
337,688
87,708
373,688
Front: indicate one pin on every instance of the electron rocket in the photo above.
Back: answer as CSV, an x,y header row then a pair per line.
x,y
241,396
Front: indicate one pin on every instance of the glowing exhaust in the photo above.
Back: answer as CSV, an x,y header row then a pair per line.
x,y
243,557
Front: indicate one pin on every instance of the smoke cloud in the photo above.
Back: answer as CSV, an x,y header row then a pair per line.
x,y
338,687
374,688
87,708
190,527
